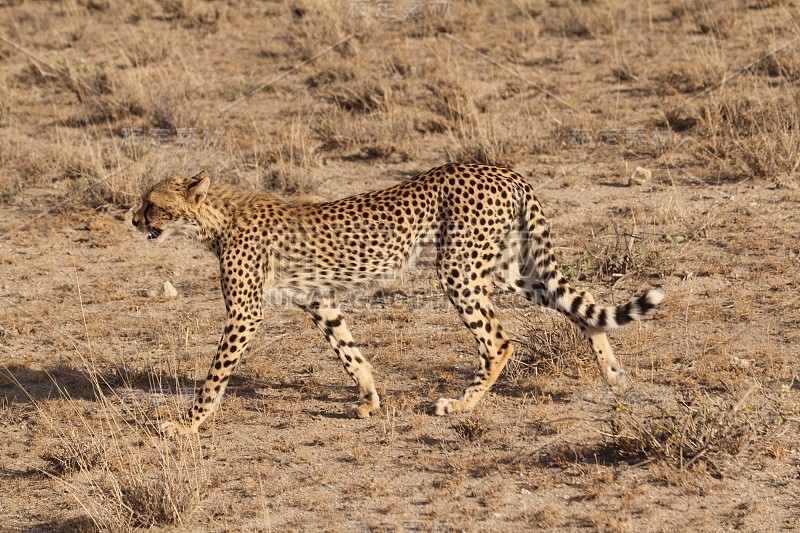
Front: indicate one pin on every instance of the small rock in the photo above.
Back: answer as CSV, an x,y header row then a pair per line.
x,y
168,291
740,363
640,176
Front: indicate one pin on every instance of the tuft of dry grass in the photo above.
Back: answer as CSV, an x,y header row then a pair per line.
x,y
580,22
478,133
284,162
191,13
72,455
701,427
688,77
549,344
328,76
782,64
105,95
716,20
142,51
475,428
164,497
361,99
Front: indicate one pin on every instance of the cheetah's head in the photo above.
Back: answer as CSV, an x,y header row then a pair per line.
x,y
171,206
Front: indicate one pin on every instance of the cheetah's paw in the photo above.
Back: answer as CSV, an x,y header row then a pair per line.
x,y
173,429
362,409
446,406
618,382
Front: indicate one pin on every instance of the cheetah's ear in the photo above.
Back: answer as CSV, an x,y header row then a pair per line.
x,y
198,188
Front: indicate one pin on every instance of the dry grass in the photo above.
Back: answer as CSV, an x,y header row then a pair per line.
x,y
118,481
284,163
166,496
386,135
700,427
476,428
755,136
549,345
71,456
151,90
491,139
109,460
699,433
618,255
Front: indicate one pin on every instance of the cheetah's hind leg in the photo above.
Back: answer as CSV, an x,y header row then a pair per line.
x,y
471,298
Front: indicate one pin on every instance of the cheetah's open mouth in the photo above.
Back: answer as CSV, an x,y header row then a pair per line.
x,y
153,233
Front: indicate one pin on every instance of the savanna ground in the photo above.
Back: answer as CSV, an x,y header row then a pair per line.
x,y
98,99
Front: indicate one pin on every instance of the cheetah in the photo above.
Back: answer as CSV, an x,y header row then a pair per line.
x,y
485,222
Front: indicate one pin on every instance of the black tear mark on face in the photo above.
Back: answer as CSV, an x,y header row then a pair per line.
x,y
147,211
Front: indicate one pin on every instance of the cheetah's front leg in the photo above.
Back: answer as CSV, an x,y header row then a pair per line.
x,y
242,290
232,345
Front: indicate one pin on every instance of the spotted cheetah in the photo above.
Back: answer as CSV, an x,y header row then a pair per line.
x,y
485,222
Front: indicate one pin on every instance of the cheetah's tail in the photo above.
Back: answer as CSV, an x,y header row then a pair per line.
x,y
579,306
592,315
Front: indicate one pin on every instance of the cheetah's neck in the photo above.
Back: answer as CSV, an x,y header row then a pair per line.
x,y
219,209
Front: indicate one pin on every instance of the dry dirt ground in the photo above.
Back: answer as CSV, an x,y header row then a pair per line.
x,y
98,99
